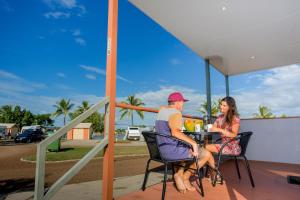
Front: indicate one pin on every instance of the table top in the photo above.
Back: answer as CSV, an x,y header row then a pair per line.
x,y
200,137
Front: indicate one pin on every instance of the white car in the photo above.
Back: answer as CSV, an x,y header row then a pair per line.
x,y
133,133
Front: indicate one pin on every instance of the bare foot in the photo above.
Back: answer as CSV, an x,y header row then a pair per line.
x,y
179,183
189,186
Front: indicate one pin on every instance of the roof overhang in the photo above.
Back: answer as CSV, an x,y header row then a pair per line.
x,y
236,36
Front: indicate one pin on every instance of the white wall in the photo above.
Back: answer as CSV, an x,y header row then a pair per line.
x,y
274,140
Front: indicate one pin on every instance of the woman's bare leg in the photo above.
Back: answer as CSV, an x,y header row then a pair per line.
x,y
211,148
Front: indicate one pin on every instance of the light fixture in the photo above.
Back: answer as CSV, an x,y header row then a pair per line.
x,y
252,57
224,8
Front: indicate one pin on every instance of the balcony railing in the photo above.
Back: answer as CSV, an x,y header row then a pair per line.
x,y
39,192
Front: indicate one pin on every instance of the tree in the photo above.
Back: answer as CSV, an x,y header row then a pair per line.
x,y
214,108
22,117
6,114
263,112
131,100
63,107
97,119
43,119
11,114
27,119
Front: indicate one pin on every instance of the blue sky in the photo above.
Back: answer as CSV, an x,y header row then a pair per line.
x,y
52,49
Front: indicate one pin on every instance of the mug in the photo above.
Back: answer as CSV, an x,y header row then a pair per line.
x,y
209,126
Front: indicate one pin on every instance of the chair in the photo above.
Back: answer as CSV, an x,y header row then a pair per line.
x,y
243,140
155,155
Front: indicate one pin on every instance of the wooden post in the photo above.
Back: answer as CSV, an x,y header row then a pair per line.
x,y
111,62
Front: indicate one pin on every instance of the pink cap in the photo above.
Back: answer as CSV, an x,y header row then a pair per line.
x,y
176,96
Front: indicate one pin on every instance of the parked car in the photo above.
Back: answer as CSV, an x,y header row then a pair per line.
x,y
133,133
30,135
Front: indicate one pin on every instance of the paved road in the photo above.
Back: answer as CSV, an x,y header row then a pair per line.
x,y
16,175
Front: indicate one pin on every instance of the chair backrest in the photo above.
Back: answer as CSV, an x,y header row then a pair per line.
x,y
244,140
150,139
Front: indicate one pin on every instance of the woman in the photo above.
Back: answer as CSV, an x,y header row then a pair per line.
x,y
227,124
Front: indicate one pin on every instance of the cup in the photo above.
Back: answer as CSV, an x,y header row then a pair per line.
x,y
197,128
209,126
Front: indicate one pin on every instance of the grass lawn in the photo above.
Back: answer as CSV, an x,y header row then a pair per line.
x,y
79,152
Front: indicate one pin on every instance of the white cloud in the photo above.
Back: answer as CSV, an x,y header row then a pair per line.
x,y
57,15
71,5
80,41
76,32
8,75
62,75
93,69
62,87
278,90
175,61
4,5
90,76
11,83
102,72
41,37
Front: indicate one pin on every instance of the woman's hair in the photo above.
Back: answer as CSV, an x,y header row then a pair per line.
x,y
232,109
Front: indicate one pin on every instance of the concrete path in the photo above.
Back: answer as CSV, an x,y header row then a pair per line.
x,y
92,190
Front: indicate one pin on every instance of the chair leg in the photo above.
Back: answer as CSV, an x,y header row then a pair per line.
x,y
173,171
165,182
237,167
206,171
217,170
249,171
200,178
146,175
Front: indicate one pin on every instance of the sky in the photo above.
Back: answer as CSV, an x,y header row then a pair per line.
x,y
53,49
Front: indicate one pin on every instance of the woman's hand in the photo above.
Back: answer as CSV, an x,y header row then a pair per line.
x,y
215,129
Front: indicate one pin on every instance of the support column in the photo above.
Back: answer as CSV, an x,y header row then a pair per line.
x,y
227,85
208,89
111,62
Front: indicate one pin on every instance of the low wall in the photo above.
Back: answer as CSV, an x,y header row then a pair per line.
x,y
273,140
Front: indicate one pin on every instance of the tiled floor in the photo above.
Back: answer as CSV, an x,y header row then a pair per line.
x,y
270,180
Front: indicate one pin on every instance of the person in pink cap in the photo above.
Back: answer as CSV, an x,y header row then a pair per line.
x,y
169,122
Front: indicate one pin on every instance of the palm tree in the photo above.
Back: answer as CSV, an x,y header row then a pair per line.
x,y
83,107
80,109
63,107
131,100
263,112
214,108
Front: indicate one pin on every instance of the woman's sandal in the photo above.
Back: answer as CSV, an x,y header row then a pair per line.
x,y
179,184
215,177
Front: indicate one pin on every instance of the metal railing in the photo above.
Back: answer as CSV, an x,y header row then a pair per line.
x,y
39,191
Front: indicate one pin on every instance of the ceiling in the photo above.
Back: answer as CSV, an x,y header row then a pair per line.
x,y
238,36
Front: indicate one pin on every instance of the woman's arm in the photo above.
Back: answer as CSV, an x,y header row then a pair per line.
x,y
233,133
235,129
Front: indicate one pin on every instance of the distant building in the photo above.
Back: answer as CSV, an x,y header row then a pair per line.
x,y
11,129
82,131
